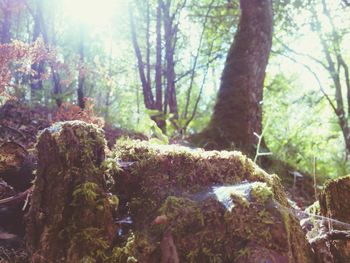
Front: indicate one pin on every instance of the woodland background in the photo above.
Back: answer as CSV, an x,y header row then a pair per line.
x,y
124,56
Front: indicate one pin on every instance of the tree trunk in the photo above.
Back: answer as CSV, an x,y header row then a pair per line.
x,y
238,110
6,23
146,88
38,68
170,32
57,88
161,123
70,216
81,80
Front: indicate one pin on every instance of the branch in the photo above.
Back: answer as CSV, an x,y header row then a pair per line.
x,y
16,198
147,93
303,55
188,97
315,76
194,111
346,2
347,79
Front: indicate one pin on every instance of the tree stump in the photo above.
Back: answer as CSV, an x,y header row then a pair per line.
x,y
190,205
335,203
70,218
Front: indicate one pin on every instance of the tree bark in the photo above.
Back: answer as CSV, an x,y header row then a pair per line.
x,y
238,109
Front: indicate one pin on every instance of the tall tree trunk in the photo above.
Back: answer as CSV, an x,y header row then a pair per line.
x,y
37,68
6,23
81,80
158,69
146,88
238,110
57,88
170,32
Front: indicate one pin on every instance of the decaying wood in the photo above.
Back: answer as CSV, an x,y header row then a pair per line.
x,y
70,217
335,203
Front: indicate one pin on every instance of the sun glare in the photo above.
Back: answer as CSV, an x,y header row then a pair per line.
x,y
93,12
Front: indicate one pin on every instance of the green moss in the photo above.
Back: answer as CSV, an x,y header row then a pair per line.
x,y
80,133
260,191
81,216
175,181
335,199
314,209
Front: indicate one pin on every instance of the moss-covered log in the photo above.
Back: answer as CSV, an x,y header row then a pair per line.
x,y
70,217
204,206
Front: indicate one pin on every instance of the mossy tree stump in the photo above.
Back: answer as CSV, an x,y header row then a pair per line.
x,y
335,203
211,206
70,217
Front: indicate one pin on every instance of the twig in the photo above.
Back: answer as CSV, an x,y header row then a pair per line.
x,y
260,137
314,173
17,197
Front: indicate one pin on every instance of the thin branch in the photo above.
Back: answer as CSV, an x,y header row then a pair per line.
x,y
188,97
148,96
315,76
303,55
194,111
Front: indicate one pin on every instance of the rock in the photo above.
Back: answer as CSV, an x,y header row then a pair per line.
x,y
205,206
335,203
70,218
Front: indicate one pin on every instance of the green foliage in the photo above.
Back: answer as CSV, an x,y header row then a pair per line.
x,y
303,127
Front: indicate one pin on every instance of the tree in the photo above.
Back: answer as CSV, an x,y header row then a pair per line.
x,y
165,101
338,69
37,68
332,60
40,29
238,110
81,77
6,10
165,95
